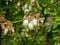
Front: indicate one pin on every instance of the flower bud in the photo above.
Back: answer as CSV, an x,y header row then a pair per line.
x,y
32,0
18,3
37,15
10,0
6,31
7,3
30,17
40,21
3,26
12,29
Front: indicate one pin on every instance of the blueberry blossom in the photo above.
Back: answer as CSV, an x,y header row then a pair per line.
x,y
30,25
25,23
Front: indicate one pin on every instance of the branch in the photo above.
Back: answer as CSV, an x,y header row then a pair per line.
x,y
36,35
48,5
34,38
40,5
15,21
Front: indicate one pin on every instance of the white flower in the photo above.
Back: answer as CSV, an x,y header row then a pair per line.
x,y
32,0
30,26
7,3
30,7
25,23
26,10
34,22
18,3
10,0
25,6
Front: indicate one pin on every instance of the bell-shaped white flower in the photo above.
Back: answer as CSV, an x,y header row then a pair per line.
x,y
18,3
26,10
25,6
30,25
25,23
7,3
32,0
34,22
10,0
30,7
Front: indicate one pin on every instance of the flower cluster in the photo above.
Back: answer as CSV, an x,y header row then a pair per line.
x,y
27,8
32,21
6,25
